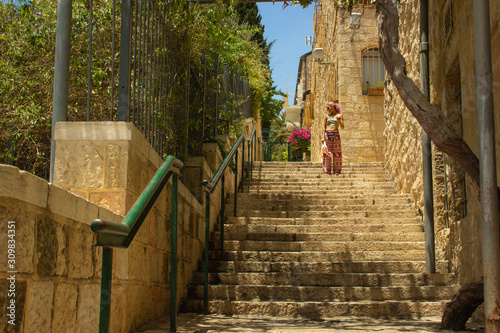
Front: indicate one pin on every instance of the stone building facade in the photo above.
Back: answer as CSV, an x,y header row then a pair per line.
x,y
452,82
339,76
397,138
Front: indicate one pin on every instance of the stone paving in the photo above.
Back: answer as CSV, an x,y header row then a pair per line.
x,y
195,323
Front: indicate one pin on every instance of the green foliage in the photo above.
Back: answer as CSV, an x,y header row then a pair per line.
x,y
27,45
279,131
27,38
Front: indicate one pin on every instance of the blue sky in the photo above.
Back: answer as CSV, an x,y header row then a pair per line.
x,y
289,28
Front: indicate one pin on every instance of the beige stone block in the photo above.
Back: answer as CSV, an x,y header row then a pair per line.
x,y
107,215
154,274
23,186
138,258
152,228
24,236
134,172
163,267
154,158
20,305
88,307
65,300
120,263
115,172
80,257
113,201
78,165
68,205
120,320
51,251
39,308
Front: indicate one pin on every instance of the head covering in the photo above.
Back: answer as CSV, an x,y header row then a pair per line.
x,y
330,104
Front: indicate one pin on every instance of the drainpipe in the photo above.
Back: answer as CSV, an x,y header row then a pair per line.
x,y
61,73
487,165
430,252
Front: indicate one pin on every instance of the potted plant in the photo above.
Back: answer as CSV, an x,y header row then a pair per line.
x,y
365,89
377,90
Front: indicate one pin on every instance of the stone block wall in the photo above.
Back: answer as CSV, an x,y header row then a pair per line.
x,y
363,137
58,279
58,270
452,81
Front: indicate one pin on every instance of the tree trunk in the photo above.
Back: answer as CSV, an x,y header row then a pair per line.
x,y
430,117
462,306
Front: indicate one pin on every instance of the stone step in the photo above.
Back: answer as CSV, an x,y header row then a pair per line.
x,y
386,309
325,193
246,199
333,188
323,267
242,212
323,294
327,279
272,206
315,256
303,229
338,246
323,236
334,220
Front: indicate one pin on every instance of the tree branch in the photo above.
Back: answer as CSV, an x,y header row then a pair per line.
x,y
430,117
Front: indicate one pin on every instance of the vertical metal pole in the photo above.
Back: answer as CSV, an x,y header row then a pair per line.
x,y
242,162
222,208
426,143
173,258
487,172
89,83
113,59
106,273
248,167
207,230
236,180
61,73
253,156
124,80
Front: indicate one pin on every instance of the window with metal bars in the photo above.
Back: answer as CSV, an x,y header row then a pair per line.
x,y
373,68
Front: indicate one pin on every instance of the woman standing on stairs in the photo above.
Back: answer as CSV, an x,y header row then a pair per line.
x,y
333,120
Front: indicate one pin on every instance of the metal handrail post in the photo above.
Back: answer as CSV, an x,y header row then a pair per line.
x,y
236,181
173,258
253,157
207,230
248,168
61,73
242,164
105,306
222,206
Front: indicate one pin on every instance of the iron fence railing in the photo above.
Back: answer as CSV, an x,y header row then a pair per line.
x,y
231,160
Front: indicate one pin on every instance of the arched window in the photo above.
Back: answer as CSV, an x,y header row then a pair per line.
x,y
373,67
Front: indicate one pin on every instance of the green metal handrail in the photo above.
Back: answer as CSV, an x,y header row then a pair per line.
x,y
250,158
209,188
112,234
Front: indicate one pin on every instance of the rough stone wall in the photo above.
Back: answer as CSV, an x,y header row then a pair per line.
x,y
362,138
452,82
58,269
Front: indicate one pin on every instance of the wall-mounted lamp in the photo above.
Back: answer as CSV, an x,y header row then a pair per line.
x,y
318,55
354,23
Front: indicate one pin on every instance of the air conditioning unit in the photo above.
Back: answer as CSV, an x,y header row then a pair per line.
x,y
355,20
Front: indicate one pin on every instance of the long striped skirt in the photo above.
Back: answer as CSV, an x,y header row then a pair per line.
x,y
334,145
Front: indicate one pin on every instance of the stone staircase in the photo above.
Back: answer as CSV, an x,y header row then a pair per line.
x,y
317,246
